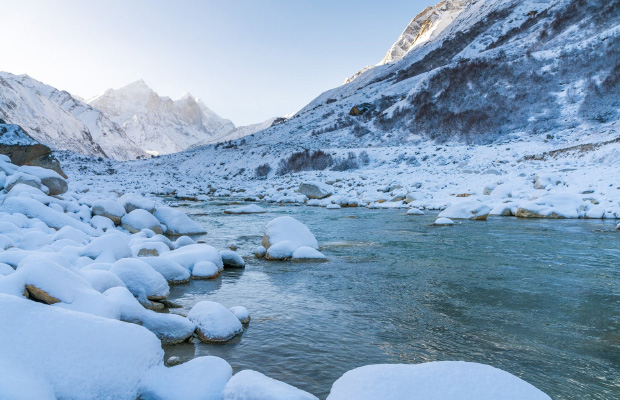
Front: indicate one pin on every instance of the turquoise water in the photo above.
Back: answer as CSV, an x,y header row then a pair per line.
x,y
537,298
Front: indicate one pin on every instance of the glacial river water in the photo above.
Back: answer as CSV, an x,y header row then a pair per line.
x,y
537,298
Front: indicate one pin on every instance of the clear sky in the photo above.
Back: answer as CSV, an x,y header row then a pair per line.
x,y
247,59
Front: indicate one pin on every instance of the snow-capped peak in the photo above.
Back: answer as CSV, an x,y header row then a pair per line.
x,y
157,123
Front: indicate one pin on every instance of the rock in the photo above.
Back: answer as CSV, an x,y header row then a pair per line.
x,y
232,259
40,295
314,190
241,313
415,211
360,109
443,222
281,251
139,219
51,179
177,223
288,229
172,361
214,322
24,150
205,270
110,209
132,202
467,209
260,252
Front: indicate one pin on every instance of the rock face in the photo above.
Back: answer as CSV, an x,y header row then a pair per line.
x,y
314,190
24,150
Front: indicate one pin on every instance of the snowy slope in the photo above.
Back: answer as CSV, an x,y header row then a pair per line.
x,y
58,120
237,133
160,125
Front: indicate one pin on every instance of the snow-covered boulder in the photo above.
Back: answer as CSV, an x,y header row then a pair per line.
x,y
203,378
553,206
315,190
415,211
288,229
252,385
214,322
131,201
305,253
443,222
169,328
241,313
250,209
467,209
174,273
110,247
260,252
141,279
111,209
205,270
183,241
232,259
24,179
77,355
101,280
189,255
434,380
282,250
177,223
101,223
51,179
139,219
333,207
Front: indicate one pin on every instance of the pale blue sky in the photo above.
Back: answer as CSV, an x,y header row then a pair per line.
x,y
248,60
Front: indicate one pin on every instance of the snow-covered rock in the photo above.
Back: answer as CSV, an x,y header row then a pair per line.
x,y
288,229
183,241
51,179
189,255
141,279
260,252
214,322
232,259
467,209
282,250
174,273
139,219
23,179
333,207
111,209
109,247
315,190
415,211
443,222
177,223
252,385
133,201
442,380
205,270
203,378
305,253
241,313
553,206
249,209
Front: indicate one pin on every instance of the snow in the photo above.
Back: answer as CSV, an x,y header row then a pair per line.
x,y
205,270
23,178
252,385
132,201
260,252
305,253
203,378
101,280
109,247
170,270
288,229
249,209
177,223
282,250
214,322
110,209
443,221
241,313
81,356
183,241
141,279
415,211
139,219
433,380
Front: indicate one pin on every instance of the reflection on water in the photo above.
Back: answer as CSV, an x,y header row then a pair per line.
x,y
540,299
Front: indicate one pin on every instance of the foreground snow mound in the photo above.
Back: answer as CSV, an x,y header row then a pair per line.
x,y
80,356
203,378
252,385
288,228
467,209
251,209
214,322
177,223
447,380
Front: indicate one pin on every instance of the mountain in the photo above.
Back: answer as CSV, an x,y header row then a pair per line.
x,y
237,133
157,124
58,120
